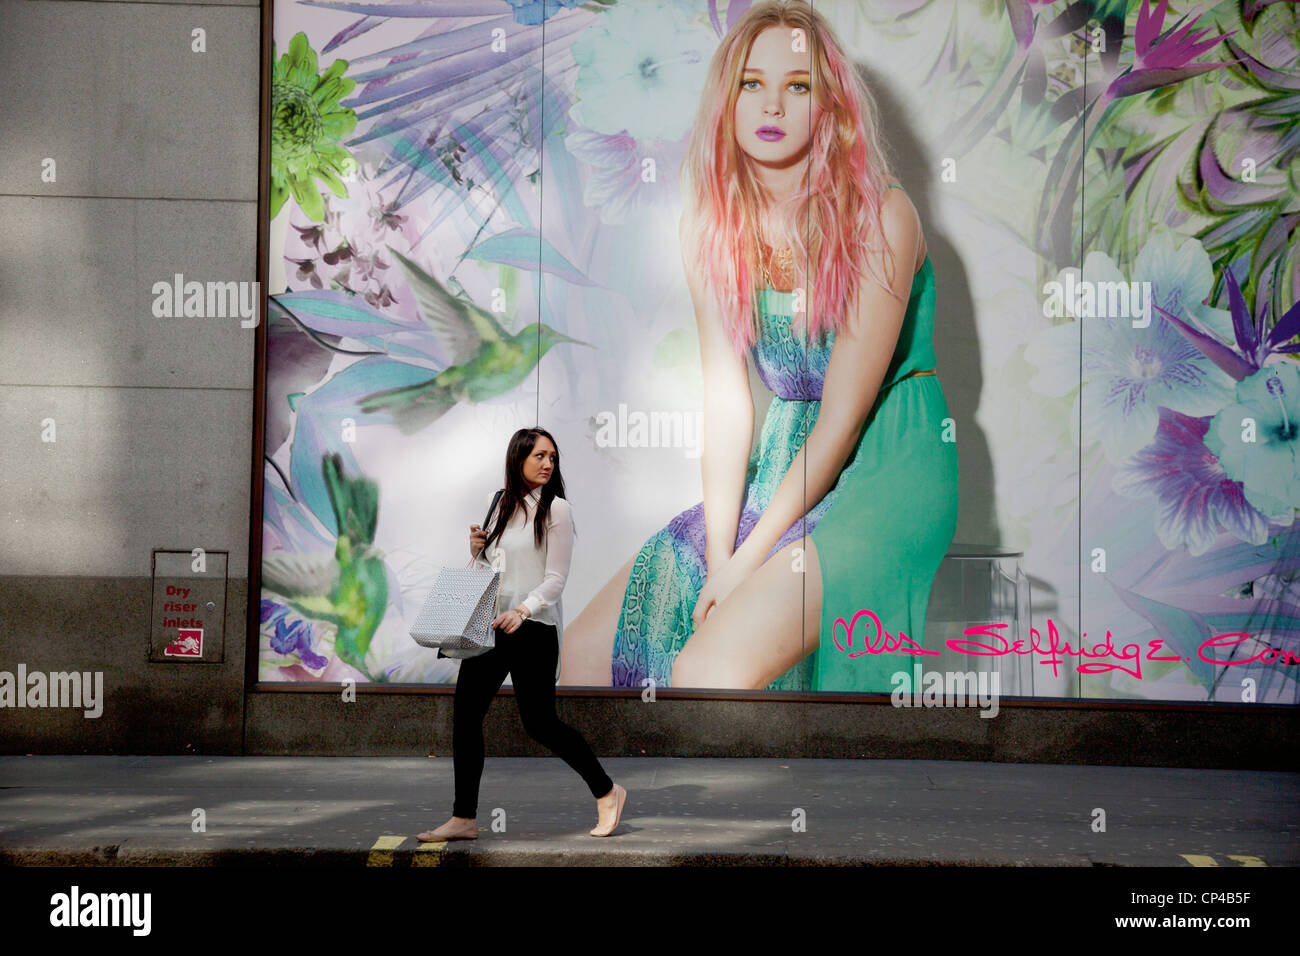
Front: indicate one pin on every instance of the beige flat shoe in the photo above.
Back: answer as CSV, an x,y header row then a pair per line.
x,y
620,801
451,830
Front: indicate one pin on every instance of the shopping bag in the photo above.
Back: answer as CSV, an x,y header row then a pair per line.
x,y
457,614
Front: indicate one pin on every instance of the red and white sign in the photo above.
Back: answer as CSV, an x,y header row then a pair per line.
x,y
188,643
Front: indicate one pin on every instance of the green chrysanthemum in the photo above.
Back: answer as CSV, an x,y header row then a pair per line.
x,y
306,125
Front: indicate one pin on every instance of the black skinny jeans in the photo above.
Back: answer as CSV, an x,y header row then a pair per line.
x,y
529,656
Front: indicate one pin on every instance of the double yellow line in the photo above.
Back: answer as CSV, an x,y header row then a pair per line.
x,y
426,854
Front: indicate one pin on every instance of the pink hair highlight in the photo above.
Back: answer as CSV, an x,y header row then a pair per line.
x,y
841,203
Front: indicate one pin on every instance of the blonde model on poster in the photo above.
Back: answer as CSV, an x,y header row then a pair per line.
x,y
786,189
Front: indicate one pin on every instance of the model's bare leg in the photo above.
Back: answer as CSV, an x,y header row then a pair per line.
x,y
763,628
588,644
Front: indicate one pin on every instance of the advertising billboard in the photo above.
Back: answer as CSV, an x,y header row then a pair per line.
x,y
870,338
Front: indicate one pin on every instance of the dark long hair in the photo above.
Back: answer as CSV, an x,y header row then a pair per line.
x,y
522,444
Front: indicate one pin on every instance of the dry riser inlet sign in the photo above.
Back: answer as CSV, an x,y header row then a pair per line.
x,y
189,606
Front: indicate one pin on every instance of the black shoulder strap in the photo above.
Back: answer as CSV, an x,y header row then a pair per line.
x,y
492,507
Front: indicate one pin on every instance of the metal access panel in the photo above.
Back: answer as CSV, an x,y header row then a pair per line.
x,y
189,606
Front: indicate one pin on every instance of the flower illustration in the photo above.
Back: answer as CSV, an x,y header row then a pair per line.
x,y
1255,348
532,12
636,67
367,267
1161,60
616,185
291,637
1129,373
311,235
387,216
1257,438
1194,493
381,299
272,610
306,125
307,271
1022,19
341,253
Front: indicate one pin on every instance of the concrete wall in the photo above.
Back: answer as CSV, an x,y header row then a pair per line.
x,y
155,172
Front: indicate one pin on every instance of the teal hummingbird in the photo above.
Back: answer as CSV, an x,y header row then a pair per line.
x,y
486,360
348,588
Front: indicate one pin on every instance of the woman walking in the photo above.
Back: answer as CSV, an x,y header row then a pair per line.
x,y
531,543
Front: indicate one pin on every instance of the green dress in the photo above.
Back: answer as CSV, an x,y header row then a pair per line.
x,y
880,532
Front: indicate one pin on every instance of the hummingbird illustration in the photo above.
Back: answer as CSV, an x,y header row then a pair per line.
x,y
486,360
348,588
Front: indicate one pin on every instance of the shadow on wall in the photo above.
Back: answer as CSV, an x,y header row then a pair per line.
x,y
956,343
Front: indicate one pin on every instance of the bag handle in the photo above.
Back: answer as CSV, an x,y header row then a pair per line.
x,y
491,508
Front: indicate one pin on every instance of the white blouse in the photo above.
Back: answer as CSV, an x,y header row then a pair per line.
x,y
532,576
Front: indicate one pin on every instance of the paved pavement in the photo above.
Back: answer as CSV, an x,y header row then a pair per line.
x,y
365,811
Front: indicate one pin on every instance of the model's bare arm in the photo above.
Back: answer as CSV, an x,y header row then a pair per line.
x,y
859,359
728,415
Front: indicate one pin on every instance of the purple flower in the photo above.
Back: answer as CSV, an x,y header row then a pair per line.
x,y
1130,372
1162,60
272,609
312,235
615,186
1254,348
294,637
1258,437
1022,19
1194,493
381,299
388,216
307,271
366,267
341,253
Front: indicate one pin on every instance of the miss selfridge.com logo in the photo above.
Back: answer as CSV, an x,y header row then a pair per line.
x,y
58,689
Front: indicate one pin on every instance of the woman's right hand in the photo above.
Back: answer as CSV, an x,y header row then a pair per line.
x,y
477,538
706,601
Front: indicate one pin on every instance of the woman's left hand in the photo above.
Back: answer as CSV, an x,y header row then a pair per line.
x,y
722,582
508,621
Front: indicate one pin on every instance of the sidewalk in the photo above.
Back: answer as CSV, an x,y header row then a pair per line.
x,y
358,811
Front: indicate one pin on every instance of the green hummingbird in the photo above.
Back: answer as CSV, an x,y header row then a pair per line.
x,y
486,360
348,588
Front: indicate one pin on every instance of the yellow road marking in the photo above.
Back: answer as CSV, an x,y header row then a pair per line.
x,y
1201,860
429,854
381,853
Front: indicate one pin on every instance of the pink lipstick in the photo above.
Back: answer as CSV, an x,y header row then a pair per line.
x,y
770,133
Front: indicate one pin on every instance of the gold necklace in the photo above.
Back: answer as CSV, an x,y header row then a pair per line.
x,y
784,263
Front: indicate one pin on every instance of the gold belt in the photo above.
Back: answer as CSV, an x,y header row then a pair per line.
x,y
925,371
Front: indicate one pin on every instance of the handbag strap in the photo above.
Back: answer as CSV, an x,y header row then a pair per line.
x,y
487,518
492,507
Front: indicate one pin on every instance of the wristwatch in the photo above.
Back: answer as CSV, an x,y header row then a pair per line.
x,y
522,611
